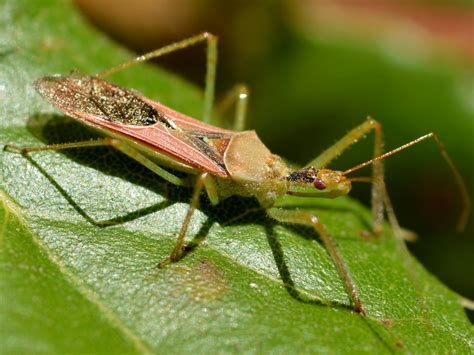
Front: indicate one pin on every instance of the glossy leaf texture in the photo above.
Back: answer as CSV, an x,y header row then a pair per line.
x,y
82,233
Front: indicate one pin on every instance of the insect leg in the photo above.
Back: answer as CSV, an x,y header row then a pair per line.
x,y
307,219
344,143
178,248
239,96
402,234
211,65
24,150
392,218
158,170
211,189
124,148
456,174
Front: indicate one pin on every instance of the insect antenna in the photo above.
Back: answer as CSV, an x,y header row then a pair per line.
x,y
361,179
457,176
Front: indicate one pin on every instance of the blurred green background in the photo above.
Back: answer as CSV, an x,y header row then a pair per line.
x,y
318,68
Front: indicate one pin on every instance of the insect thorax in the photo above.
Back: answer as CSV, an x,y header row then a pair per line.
x,y
253,169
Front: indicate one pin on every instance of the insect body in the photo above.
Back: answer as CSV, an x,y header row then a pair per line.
x,y
222,162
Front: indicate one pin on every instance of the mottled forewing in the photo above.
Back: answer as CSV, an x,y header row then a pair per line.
x,y
93,96
121,111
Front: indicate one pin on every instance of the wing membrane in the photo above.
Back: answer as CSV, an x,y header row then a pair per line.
x,y
111,108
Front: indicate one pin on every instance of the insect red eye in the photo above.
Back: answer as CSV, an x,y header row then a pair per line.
x,y
319,184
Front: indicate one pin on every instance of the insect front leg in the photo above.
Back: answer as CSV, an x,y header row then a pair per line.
x,y
308,219
378,188
211,65
454,170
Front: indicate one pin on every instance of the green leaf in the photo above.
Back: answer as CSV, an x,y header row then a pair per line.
x,y
69,284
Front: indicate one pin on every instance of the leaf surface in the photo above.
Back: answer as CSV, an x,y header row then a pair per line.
x,y
70,284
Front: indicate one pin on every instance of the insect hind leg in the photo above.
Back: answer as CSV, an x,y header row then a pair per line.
x,y
158,170
83,144
124,148
211,65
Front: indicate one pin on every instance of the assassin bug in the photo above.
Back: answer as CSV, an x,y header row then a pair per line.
x,y
222,162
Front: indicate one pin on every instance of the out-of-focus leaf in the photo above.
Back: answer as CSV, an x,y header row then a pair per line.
x,y
69,284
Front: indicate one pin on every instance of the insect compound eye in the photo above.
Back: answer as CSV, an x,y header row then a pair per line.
x,y
319,184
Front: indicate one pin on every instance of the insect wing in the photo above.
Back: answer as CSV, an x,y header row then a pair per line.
x,y
187,123
111,108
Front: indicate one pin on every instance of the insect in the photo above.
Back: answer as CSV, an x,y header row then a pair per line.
x,y
219,161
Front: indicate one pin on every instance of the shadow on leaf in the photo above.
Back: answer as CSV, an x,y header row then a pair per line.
x,y
53,129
